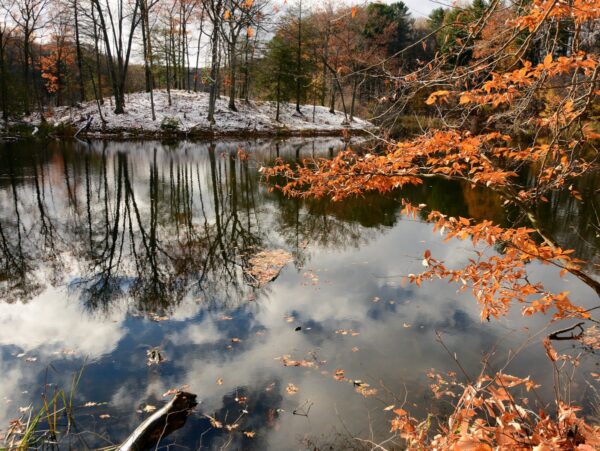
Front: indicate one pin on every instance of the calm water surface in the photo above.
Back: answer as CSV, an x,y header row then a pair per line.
x,y
111,249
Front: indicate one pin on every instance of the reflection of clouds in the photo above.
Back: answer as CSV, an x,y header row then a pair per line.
x,y
53,322
354,261
15,380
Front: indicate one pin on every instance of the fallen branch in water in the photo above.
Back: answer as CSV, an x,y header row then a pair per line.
x,y
558,335
169,418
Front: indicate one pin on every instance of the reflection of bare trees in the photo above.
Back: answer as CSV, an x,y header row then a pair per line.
x,y
156,224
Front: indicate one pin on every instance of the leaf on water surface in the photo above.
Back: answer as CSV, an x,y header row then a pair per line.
x,y
288,361
266,265
148,408
390,407
174,391
159,318
104,416
225,318
31,359
291,389
355,349
351,332
214,422
90,404
220,381
339,375
236,340
155,357
249,434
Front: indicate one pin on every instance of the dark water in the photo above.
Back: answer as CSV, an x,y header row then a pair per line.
x,y
112,249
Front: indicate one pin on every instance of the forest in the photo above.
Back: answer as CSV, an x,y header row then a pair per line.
x,y
56,53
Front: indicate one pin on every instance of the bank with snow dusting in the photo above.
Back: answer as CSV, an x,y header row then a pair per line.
x,y
186,117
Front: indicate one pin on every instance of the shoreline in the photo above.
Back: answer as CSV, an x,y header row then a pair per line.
x,y
182,115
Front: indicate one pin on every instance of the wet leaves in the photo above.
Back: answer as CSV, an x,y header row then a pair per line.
x,y
266,265
291,389
350,332
288,361
148,408
154,356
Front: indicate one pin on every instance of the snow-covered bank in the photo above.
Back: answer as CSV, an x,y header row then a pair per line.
x,y
187,115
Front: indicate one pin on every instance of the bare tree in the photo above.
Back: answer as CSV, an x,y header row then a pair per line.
x,y
119,51
28,14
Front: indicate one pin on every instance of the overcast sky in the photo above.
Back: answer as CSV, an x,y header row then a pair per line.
x,y
418,8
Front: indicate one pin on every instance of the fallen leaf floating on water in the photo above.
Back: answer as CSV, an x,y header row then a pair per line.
x,y
339,375
288,361
104,416
347,332
31,359
220,381
155,357
355,349
363,388
149,408
291,389
225,318
249,434
214,422
265,266
90,404
236,340
388,408
159,318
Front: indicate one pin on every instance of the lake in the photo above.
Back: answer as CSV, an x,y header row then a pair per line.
x,y
109,250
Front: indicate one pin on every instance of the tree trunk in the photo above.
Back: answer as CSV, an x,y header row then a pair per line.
x,y
196,75
3,90
232,74
299,60
214,69
26,57
97,52
79,56
147,53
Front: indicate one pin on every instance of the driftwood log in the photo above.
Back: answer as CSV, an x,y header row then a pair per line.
x,y
161,423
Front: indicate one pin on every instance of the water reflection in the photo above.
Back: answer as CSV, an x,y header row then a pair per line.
x,y
101,243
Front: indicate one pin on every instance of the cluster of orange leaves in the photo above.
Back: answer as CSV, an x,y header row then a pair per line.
x,y
497,281
51,65
479,159
504,88
579,11
488,415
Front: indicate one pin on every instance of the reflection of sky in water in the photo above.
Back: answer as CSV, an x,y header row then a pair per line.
x,y
205,212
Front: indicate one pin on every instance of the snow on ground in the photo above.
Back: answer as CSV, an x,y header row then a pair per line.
x,y
189,111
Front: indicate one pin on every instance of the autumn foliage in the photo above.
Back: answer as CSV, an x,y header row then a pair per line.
x,y
519,121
